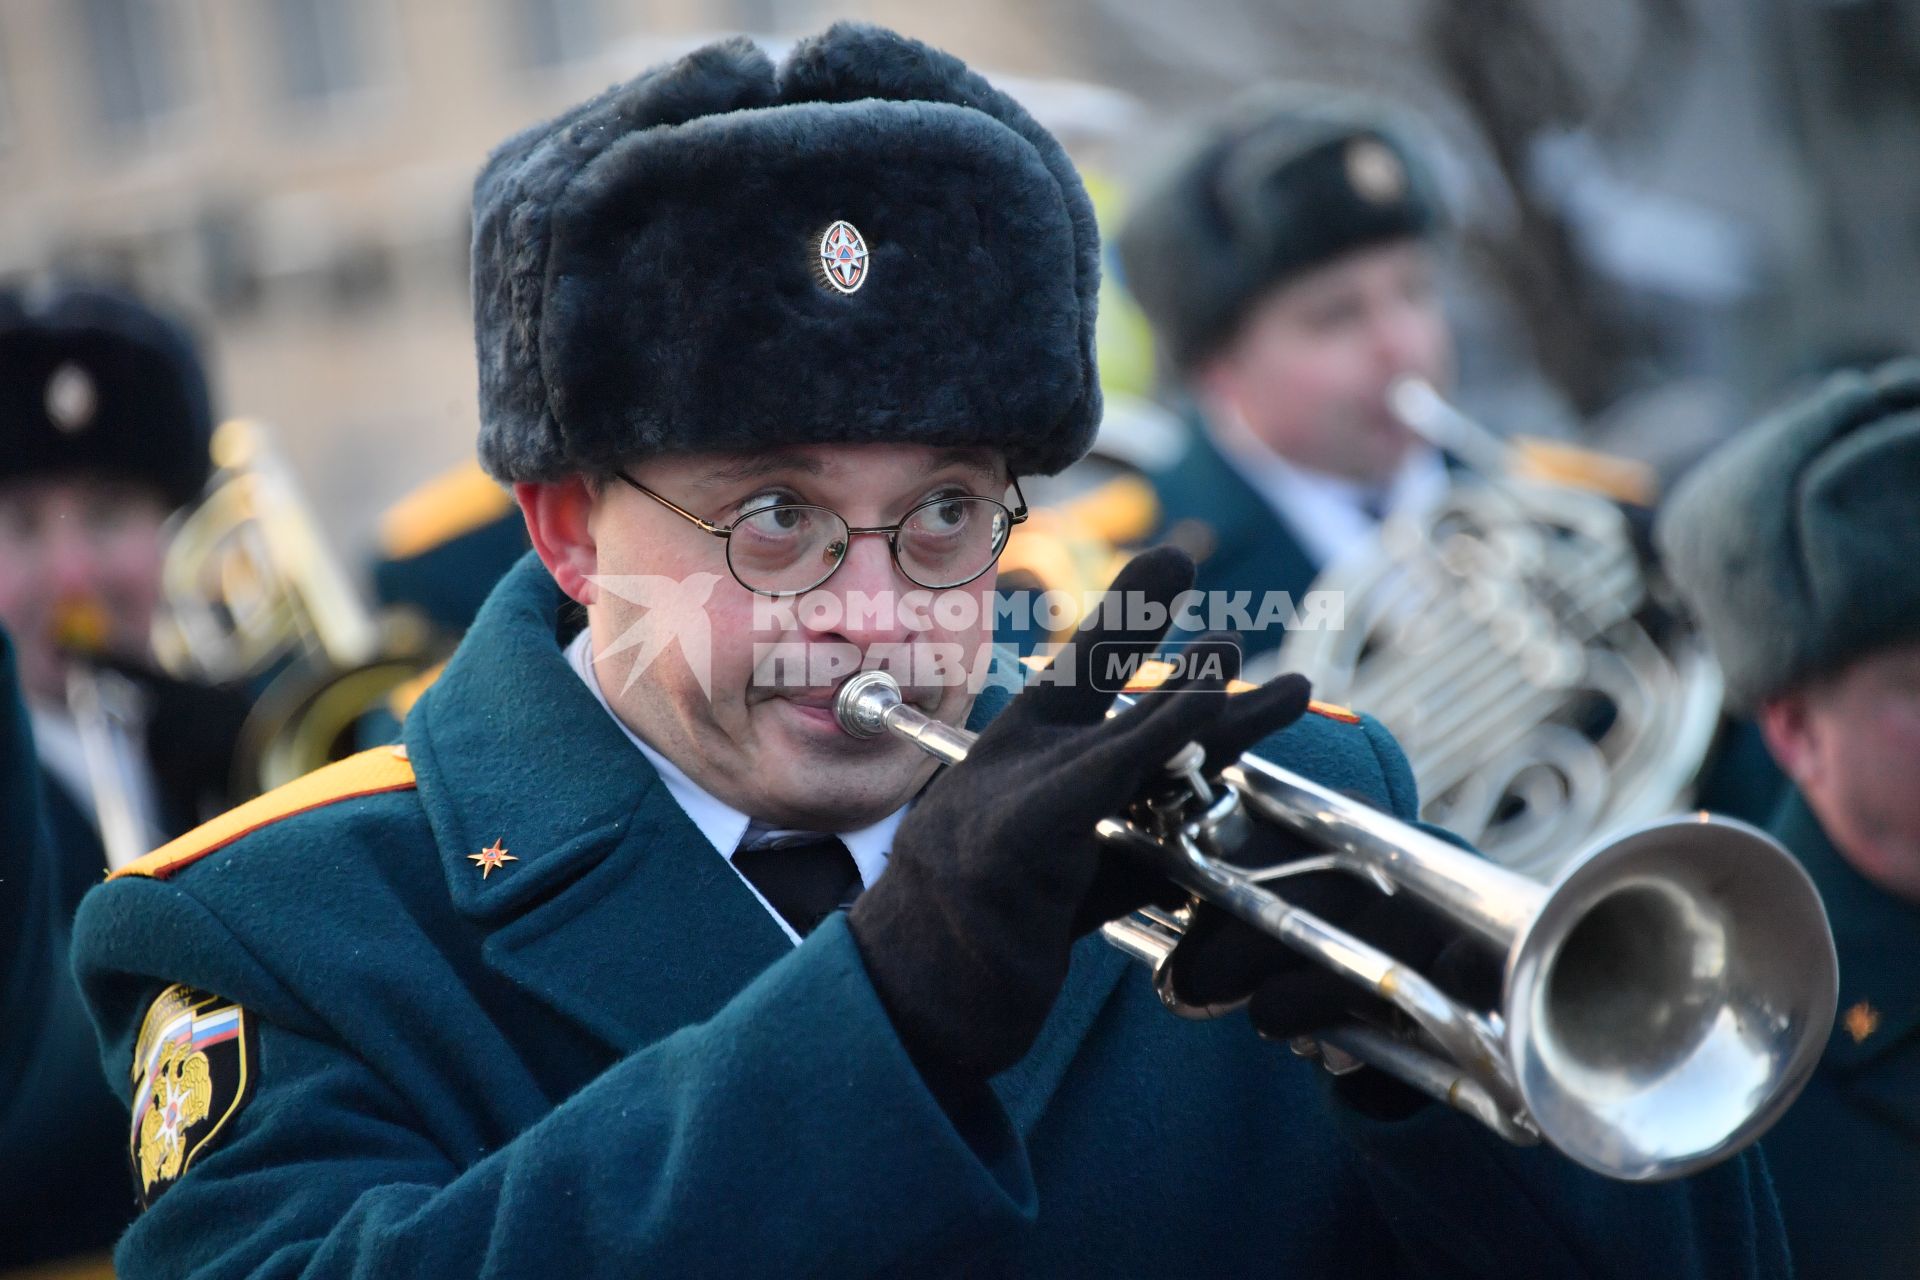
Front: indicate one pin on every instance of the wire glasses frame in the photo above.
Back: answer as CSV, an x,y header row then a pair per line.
x,y
833,547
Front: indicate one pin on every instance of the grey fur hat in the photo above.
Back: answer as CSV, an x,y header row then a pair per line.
x,y
868,243
1285,183
1798,543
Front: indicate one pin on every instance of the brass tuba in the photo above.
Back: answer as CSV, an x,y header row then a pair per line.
x,y
250,591
1518,643
1664,998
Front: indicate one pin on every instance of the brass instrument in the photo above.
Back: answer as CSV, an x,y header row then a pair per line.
x,y
1665,997
1517,643
250,590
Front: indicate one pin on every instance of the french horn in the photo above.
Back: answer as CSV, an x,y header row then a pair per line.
x,y
1518,642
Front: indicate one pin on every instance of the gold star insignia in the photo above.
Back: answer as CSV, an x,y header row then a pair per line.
x,y
490,858
1861,1021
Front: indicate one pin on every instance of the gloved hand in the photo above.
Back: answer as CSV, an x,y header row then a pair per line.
x,y
1221,960
1239,722
994,871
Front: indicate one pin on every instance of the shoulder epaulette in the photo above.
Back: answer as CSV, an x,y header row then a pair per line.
x,y
1123,510
368,773
441,510
1556,462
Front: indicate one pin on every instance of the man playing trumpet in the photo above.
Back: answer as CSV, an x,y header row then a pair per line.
x,y
562,982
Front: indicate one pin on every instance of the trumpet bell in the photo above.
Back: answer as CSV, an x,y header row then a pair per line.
x,y
1664,998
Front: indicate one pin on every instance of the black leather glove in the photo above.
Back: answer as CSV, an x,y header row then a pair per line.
x,y
967,936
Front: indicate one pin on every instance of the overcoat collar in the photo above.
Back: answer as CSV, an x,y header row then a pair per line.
x,y
1242,520
1240,541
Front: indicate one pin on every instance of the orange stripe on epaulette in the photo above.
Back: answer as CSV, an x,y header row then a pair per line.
x,y
441,510
1332,712
368,773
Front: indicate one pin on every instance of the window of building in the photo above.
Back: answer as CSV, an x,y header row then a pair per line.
x,y
552,33
133,48
321,48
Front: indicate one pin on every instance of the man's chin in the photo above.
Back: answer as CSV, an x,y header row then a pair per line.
x,y
834,795
812,775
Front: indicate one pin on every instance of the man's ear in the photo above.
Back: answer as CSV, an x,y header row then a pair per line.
x,y
558,514
1788,725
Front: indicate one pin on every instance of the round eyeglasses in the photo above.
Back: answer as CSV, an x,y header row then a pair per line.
x,y
788,548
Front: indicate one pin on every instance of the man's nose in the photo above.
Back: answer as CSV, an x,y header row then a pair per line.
x,y
869,585
1404,340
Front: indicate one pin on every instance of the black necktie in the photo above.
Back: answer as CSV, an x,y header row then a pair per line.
x,y
803,876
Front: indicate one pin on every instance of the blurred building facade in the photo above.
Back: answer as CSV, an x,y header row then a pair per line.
x,y
294,175
1654,191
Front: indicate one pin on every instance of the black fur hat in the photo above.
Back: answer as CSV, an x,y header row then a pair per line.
x,y
868,243
1285,183
94,382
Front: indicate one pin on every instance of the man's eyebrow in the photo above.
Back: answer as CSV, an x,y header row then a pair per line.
x,y
755,465
977,460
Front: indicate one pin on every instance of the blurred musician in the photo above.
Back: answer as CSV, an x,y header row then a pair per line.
x,y
104,423
1797,546
1287,264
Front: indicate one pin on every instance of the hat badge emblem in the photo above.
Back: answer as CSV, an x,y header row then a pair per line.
x,y
71,398
843,257
1375,171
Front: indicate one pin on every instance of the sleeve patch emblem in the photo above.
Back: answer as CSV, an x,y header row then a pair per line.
x,y
193,1069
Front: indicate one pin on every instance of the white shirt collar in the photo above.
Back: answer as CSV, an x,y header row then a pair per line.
x,y
722,824
1327,512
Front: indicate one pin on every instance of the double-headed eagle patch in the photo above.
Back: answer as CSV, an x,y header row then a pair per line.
x,y
193,1067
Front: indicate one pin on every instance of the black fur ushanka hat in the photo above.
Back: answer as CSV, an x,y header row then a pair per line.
x,y
868,243
93,381
1286,183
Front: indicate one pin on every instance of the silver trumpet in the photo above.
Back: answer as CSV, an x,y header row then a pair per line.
x,y
1665,997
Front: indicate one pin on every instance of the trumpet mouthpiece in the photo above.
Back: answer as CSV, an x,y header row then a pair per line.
x,y
860,707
